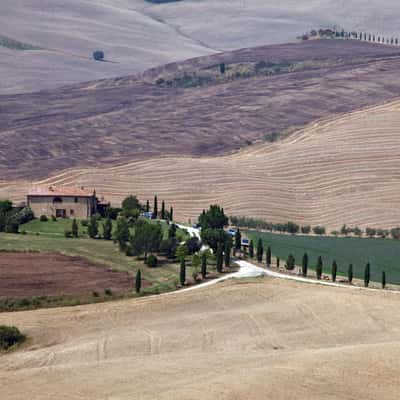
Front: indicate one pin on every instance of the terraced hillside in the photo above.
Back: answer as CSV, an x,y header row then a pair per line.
x,y
265,90
137,35
257,339
343,170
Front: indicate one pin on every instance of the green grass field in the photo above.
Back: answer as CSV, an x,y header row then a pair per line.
x,y
58,228
383,254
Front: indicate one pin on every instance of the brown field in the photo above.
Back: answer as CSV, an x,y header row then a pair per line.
x,y
334,172
114,121
137,35
41,274
255,339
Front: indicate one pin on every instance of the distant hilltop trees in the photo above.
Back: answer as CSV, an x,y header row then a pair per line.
x,y
98,55
342,34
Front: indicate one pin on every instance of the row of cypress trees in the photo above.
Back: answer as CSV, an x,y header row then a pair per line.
x,y
291,263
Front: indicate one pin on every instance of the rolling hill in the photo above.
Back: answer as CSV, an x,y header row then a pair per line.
x,y
342,170
137,35
252,339
190,109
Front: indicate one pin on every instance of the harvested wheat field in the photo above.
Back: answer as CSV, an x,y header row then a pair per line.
x,y
334,172
255,339
120,120
44,274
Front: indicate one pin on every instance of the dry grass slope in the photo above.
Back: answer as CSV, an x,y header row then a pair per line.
x,y
339,171
240,340
114,121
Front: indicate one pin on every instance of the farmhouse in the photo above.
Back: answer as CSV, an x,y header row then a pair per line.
x,y
62,202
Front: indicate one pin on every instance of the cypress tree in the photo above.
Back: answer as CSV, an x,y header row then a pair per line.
x,y
222,68
383,279
268,256
93,228
334,271
204,265
163,210
74,228
238,240
107,229
278,261
251,249
319,268
350,273
304,264
367,274
172,231
260,250
182,272
147,206
220,258
138,281
227,256
171,214
155,208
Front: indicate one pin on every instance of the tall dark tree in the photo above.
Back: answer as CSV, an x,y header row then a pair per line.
x,y
304,265
319,268
107,229
93,227
155,208
222,68
238,240
204,265
350,273
171,214
278,261
383,279
172,231
268,256
334,271
251,249
227,255
260,250
367,274
163,210
74,228
214,218
138,281
182,272
220,258
147,206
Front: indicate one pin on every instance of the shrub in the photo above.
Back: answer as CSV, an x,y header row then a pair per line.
x,y
98,55
108,292
43,218
68,233
10,336
306,229
152,261
84,222
290,263
95,294
53,218
271,137
319,230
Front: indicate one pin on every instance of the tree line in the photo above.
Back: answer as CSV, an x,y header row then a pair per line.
x,y
290,263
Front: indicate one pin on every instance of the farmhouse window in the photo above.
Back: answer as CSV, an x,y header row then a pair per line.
x,y
61,213
76,199
57,200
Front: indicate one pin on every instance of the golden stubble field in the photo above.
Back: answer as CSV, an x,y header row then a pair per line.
x,y
253,339
338,171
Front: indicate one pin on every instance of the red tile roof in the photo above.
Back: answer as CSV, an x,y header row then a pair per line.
x,y
60,191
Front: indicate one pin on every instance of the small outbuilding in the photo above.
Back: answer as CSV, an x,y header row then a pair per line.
x,y
62,202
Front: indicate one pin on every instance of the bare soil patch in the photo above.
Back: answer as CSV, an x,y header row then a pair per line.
x,y
45,274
